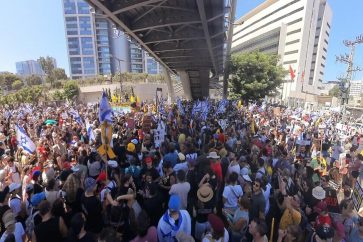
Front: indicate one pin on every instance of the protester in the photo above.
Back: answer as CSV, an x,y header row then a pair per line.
x,y
170,166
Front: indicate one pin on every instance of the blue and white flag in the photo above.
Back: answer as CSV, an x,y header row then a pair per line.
x,y
90,133
76,116
24,141
105,112
180,107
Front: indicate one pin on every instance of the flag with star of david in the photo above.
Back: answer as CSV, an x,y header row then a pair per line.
x,y
24,141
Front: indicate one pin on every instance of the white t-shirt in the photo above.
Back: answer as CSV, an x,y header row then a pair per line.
x,y
231,194
181,189
107,188
18,233
266,194
209,235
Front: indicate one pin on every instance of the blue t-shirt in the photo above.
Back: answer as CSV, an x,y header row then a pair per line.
x,y
354,236
172,157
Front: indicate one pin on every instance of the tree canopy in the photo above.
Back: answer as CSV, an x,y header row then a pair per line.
x,y
52,74
7,79
335,91
71,89
254,75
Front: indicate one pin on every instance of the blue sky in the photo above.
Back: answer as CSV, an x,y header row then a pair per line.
x,y
33,28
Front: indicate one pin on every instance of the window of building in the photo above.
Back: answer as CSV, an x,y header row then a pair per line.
x,y
326,42
267,24
322,65
327,33
73,46
325,50
293,42
69,6
316,45
328,25
85,27
87,46
267,15
291,52
100,23
83,7
295,21
76,65
102,32
294,32
152,66
89,65
323,57
321,73
71,25
290,62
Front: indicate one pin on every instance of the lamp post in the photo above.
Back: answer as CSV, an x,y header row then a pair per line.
x,y
119,68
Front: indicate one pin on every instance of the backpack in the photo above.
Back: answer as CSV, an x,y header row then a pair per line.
x,y
29,223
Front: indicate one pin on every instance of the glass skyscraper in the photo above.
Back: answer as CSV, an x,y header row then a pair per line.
x,y
88,42
94,50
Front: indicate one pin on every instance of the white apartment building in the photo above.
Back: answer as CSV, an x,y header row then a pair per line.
x,y
356,88
298,31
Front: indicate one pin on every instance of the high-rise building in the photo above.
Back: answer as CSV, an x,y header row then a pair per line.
x,y
29,67
298,31
356,88
96,48
90,41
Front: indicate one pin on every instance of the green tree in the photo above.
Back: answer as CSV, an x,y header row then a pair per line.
x,y
33,80
59,74
58,95
7,79
335,91
71,90
254,75
48,67
17,85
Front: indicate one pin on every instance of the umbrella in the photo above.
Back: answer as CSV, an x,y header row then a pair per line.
x,y
50,121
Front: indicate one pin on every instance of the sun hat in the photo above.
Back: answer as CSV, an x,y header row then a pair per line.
x,y
13,187
130,147
8,218
112,163
213,155
205,193
174,203
216,223
89,184
134,141
319,193
181,156
37,198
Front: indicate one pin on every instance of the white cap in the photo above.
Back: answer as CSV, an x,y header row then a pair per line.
x,y
112,163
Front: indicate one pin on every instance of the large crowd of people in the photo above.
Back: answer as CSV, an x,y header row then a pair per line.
x,y
181,172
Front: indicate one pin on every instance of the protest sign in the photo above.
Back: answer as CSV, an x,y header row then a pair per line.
x,y
159,134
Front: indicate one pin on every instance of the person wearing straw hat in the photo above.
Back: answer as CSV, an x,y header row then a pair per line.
x,y
205,205
12,227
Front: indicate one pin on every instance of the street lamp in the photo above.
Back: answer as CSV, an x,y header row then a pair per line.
x,y
119,68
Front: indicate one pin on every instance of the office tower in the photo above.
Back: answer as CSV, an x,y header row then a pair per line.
x,y
29,67
298,31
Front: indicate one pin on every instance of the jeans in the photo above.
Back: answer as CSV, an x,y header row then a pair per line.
x,y
200,229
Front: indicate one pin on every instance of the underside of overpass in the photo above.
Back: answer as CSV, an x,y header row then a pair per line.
x,y
187,37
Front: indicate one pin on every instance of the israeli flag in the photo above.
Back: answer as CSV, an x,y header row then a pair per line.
x,y
90,133
180,107
23,140
76,116
105,112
